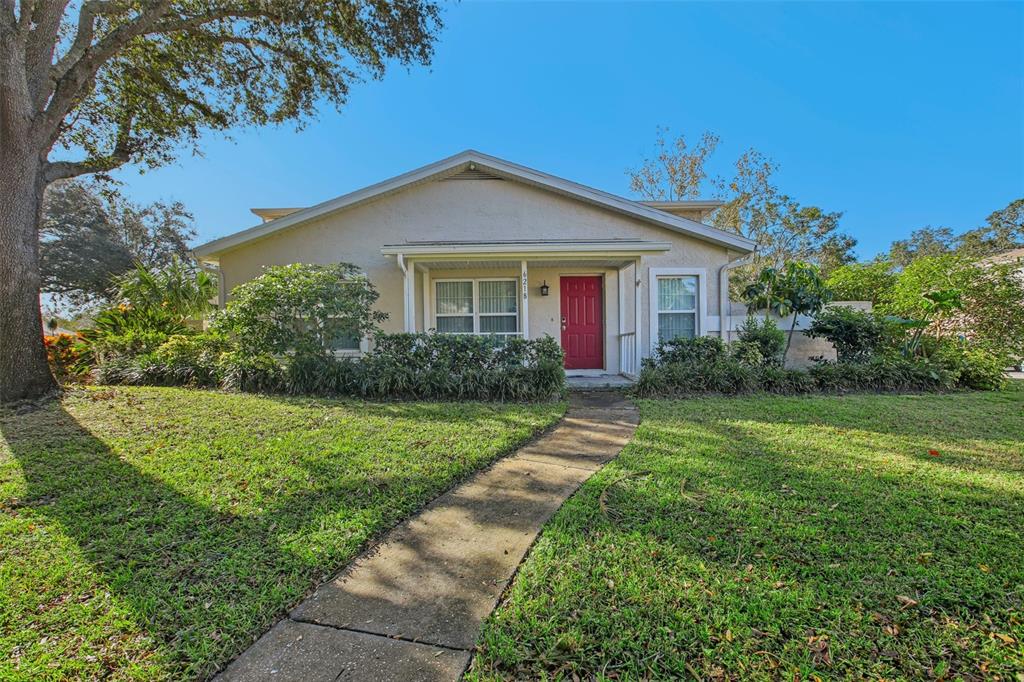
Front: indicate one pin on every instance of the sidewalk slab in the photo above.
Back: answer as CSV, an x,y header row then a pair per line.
x,y
312,653
434,579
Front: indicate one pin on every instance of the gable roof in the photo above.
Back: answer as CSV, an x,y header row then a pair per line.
x,y
475,161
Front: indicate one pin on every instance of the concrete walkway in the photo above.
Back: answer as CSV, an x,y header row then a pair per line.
x,y
411,608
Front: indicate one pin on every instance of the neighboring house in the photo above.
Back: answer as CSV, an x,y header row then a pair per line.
x,y
475,244
1011,257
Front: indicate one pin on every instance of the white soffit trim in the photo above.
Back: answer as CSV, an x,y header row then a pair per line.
x,y
499,167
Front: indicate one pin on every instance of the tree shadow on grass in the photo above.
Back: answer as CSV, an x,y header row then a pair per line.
x,y
201,581
829,543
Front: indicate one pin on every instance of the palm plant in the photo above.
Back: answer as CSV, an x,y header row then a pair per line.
x,y
176,290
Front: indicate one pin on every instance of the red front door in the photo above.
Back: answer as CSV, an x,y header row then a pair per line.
x,y
582,322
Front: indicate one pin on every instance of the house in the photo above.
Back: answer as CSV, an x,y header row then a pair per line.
x,y
473,244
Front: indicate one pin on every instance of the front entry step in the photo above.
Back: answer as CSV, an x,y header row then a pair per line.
x,y
603,382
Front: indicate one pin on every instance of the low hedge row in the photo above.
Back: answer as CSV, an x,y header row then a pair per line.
x,y
707,365
400,366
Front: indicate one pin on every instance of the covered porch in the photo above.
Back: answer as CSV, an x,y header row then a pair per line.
x,y
587,295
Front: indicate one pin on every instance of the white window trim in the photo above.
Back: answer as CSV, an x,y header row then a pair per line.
x,y
364,347
476,314
652,299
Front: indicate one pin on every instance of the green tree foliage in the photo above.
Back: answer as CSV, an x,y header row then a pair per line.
x,y
300,308
177,289
1003,231
991,317
796,289
862,281
922,243
106,82
856,335
91,235
755,207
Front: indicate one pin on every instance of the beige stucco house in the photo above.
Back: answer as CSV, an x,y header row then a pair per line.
x,y
475,244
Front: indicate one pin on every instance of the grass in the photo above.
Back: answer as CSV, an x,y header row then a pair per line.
x,y
784,538
153,533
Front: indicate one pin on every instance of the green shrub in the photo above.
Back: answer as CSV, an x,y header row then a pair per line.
x,y
890,372
699,349
770,340
242,371
701,371
856,335
747,353
192,360
775,379
448,366
974,368
321,375
302,309
105,348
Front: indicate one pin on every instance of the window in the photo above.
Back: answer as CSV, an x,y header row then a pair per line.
x,y
677,306
455,307
481,306
339,340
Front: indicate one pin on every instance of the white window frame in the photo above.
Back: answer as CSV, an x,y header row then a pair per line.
x,y
364,347
652,299
476,306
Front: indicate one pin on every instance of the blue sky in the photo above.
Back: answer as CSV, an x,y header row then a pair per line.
x,y
900,115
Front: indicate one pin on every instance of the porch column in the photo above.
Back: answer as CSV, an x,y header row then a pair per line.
x,y
409,295
525,311
638,311
620,281
426,300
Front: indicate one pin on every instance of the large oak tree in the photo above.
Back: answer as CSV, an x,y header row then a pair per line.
x,y
88,86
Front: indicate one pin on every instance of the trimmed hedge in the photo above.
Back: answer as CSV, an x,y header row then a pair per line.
x,y
687,367
406,366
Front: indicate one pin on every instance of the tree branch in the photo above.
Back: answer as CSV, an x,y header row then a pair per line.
x,y
119,155
41,43
7,13
75,72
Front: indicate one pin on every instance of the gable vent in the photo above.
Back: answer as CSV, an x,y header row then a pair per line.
x,y
473,174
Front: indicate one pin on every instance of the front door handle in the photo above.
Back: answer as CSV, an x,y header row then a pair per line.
x,y
563,323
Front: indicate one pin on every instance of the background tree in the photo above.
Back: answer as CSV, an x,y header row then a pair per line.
x,y
863,281
91,235
783,228
106,83
795,289
924,242
991,315
1003,231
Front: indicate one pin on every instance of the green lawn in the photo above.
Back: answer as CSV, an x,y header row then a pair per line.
x,y
153,533
784,538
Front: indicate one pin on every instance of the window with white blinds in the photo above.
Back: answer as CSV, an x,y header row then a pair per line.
x,y
677,306
477,306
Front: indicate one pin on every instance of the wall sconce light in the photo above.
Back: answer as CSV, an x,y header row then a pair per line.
x,y
544,288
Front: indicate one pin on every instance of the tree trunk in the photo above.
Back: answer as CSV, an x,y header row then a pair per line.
x,y
789,340
24,371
